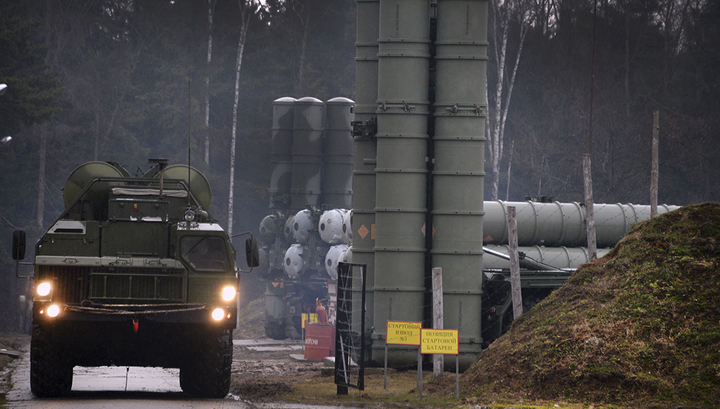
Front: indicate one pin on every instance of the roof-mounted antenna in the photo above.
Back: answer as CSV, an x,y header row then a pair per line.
x,y
161,164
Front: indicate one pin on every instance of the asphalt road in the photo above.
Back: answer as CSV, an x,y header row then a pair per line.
x,y
114,387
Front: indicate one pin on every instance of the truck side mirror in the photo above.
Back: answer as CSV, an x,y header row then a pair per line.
x,y
252,253
18,245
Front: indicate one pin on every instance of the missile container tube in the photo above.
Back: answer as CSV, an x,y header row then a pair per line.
x,y
337,182
307,149
365,149
401,170
458,143
281,152
563,224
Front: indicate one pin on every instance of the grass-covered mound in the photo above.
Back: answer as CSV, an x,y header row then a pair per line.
x,y
638,328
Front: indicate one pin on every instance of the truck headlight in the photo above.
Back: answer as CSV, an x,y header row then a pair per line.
x,y
53,311
218,314
229,293
43,289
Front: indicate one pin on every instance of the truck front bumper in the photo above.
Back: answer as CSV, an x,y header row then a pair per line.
x,y
162,335
221,317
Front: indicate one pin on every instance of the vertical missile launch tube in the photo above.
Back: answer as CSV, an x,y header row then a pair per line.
x,y
281,153
460,110
366,92
308,122
337,176
281,162
401,172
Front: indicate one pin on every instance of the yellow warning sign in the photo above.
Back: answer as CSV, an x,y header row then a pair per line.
x,y
403,333
439,341
308,318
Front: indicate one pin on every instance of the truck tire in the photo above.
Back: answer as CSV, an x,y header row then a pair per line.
x,y
51,373
207,372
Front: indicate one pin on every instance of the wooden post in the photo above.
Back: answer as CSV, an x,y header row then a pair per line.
x,y
589,208
654,172
514,264
438,361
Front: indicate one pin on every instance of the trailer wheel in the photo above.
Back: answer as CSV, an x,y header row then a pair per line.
x,y
207,373
51,373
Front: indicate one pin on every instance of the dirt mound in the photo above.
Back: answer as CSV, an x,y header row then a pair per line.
x,y
258,391
639,327
252,321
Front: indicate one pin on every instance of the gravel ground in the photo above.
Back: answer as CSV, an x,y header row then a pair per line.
x,y
261,373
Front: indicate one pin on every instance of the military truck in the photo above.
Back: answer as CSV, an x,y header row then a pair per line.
x,y
134,272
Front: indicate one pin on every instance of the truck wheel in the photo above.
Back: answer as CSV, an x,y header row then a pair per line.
x,y
207,373
51,373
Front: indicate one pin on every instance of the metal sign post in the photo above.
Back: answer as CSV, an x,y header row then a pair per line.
x,y
402,333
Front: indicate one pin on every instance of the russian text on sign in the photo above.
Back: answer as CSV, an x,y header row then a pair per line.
x,y
403,333
439,341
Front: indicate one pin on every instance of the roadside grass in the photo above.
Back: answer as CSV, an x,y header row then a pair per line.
x,y
402,392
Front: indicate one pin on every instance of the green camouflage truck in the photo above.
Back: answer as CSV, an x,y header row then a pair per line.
x,y
134,272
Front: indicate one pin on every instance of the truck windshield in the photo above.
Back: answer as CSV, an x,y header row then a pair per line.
x,y
205,253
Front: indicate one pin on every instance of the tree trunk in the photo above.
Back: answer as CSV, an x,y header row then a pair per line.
x,y
509,168
42,154
501,137
245,16
627,65
211,9
303,50
495,143
42,151
496,135
96,126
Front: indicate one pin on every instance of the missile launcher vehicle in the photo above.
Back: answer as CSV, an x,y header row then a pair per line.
x,y
134,272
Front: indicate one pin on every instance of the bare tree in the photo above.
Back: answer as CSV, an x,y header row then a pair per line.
x,y
247,9
504,14
210,12
303,18
509,168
